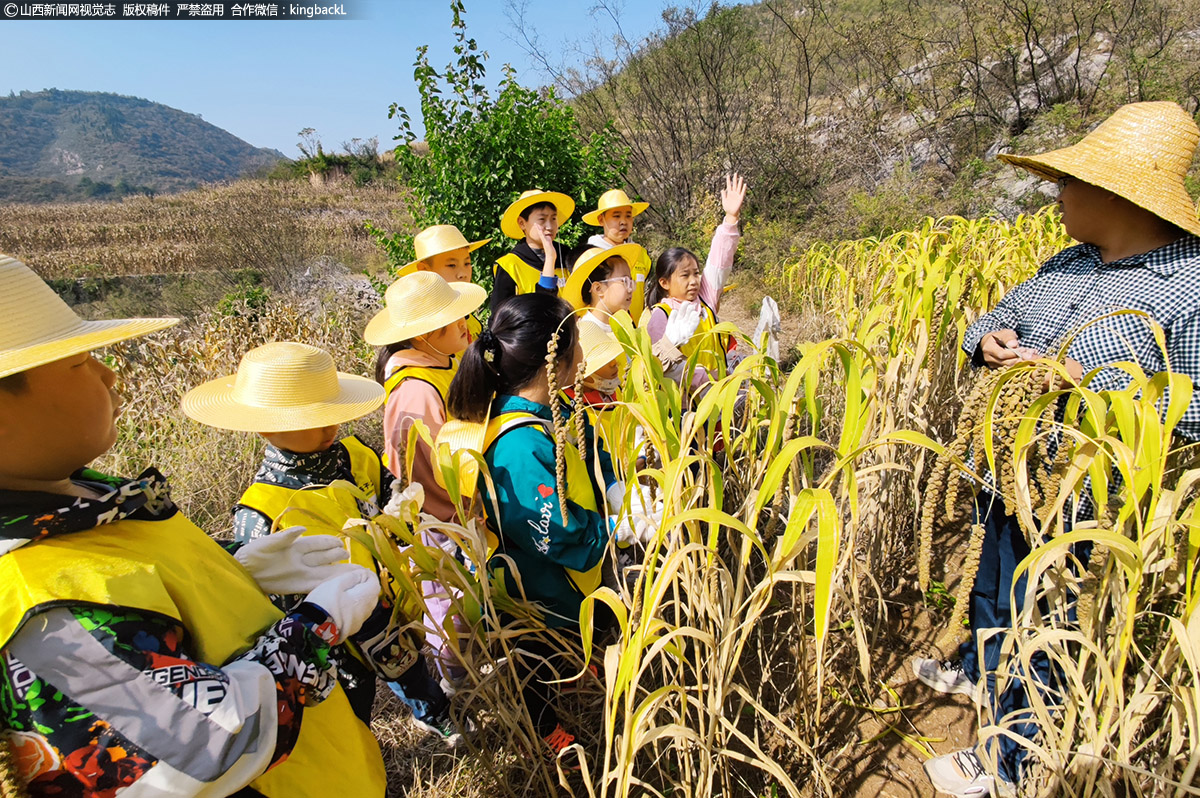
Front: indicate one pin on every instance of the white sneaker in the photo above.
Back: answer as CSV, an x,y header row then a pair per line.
x,y
945,676
961,773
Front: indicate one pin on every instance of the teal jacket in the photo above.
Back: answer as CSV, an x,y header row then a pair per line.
x,y
529,525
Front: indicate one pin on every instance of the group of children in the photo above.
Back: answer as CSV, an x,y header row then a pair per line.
x,y
255,674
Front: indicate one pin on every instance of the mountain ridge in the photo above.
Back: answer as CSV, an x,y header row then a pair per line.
x,y
61,144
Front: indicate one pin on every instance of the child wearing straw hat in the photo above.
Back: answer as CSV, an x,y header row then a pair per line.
x,y
292,395
443,250
614,214
538,263
420,333
602,282
601,379
137,653
1122,196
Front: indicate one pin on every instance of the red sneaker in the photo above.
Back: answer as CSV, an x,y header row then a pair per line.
x,y
558,741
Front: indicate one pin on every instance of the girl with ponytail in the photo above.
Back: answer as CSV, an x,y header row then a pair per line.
x,y
548,512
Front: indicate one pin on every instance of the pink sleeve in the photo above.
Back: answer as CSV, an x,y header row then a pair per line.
x,y
657,324
720,261
411,400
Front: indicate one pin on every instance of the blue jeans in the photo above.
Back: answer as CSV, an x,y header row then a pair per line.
x,y
421,693
1004,546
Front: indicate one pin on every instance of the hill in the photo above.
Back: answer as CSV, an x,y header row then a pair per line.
x,y
74,145
852,118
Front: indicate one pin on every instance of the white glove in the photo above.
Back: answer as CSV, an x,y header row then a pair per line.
x,y
413,493
682,323
639,507
769,322
642,522
287,563
615,496
638,528
348,599
625,533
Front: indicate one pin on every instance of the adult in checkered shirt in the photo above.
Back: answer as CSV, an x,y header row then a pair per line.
x,y
1121,194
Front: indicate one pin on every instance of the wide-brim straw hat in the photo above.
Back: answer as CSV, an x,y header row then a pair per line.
x,y
600,347
588,262
614,198
562,203
455,442
420,303
282,387
1141,153
37,327
436,240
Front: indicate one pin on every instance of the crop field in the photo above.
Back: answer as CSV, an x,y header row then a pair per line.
x,y
816,534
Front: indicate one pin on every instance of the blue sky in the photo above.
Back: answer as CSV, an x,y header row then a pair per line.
x,y
265,81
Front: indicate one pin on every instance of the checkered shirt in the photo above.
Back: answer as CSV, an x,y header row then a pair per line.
x,y
1075,287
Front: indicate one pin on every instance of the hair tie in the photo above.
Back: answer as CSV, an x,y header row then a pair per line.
x,y
490,344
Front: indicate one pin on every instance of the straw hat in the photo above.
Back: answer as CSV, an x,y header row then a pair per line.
x,y
455,442
420,303
600,347
614,198
588,262
281,387
437,240
508,222
37,327
1141,153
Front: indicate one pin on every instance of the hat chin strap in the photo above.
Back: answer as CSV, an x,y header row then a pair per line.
x,y
425,342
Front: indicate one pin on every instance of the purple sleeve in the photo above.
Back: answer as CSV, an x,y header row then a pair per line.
x,y
657,324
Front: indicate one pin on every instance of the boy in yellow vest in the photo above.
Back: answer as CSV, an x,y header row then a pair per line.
x,y
135,652
614,215
538,262
294,397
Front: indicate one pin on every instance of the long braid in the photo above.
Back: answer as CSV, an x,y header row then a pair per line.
x,y
577,413
560,430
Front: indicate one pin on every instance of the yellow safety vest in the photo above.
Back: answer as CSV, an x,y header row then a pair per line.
x,y
640,270
580,484
525,276
712,347
437,376
274,500
173,569
305,506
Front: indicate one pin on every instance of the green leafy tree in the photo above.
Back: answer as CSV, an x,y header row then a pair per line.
x,y
484,151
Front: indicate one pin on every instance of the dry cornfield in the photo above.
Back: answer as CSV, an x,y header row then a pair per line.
x,y
266,226
763,621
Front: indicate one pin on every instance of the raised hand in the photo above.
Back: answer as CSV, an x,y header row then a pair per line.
x,y
732,197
